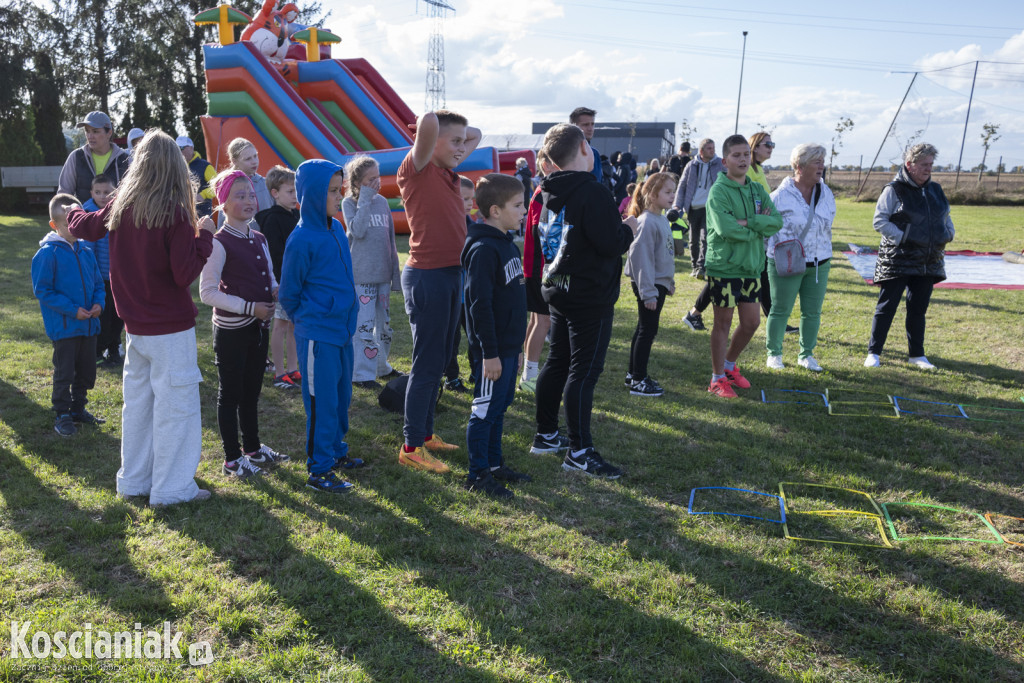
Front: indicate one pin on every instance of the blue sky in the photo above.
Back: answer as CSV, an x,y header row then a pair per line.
x,y
807,65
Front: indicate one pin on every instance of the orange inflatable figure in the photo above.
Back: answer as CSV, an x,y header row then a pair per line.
x,y
269,29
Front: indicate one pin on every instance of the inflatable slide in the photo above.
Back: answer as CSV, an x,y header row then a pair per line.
x,y
328,109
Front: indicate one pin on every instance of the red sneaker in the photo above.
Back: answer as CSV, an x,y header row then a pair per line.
x,y
723,388
296,376
736,378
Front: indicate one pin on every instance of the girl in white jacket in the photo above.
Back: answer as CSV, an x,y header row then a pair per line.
x,y
797,198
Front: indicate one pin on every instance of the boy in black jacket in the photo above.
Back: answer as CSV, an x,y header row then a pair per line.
x,y
496,326
583,239
276,223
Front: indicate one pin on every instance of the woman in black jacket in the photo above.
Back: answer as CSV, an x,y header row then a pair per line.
x,y
912,216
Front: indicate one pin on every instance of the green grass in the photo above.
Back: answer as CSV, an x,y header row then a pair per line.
x,y
411,578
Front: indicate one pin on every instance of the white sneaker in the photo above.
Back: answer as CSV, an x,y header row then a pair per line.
x,y
872,361
775,363
921,362
810,364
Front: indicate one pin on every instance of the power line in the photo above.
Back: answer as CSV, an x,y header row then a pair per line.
x,y
901,31
747,13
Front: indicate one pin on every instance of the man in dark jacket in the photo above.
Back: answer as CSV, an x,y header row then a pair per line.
x,y
912,216
583,240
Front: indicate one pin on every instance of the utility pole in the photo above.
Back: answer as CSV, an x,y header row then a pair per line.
x,y
434,97
956,183
743,59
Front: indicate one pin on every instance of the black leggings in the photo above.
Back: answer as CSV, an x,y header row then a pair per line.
x,y
241,355
646,330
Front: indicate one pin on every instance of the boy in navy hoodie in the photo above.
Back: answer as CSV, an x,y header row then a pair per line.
x,y
318,293
68,284
496,326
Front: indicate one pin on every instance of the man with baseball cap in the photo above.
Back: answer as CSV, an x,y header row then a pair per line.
x,y
98,155
204,172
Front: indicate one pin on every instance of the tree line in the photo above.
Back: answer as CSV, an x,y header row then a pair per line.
x,y
141,61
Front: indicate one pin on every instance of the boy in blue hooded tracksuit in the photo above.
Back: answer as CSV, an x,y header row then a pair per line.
x,y
68,284
318,294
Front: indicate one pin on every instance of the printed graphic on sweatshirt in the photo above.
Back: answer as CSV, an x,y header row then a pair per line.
x,y
514,271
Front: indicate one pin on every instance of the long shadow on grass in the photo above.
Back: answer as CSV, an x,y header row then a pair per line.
x,y
869,634
522,603
92,455
90,547
344,616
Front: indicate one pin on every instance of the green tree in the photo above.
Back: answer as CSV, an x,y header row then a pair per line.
x,y
988,138
844,124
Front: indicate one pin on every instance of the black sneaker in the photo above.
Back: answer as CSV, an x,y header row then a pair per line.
x,y
348,463
64,425
391,375
694,322
368,384
487,484
329,483
87,418
629,380
646,387
790,329
505,473
267,456
590,462
243,468
456,385
543,445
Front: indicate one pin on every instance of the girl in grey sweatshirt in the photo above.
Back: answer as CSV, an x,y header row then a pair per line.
x,y
650,264
371,236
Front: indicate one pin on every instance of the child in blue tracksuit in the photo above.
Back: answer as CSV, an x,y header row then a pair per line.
x,y
318,294
496,327
68,284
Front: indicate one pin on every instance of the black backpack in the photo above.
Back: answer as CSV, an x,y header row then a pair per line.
x,y
392,396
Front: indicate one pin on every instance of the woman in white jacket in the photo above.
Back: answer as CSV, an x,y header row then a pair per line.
x,y
797,198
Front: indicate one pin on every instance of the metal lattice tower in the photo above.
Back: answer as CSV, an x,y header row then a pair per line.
x,y
435,98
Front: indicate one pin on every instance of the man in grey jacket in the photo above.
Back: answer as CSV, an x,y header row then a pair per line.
x,y
691,195
98,155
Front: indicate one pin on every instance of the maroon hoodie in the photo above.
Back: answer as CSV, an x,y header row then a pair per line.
x,y
151,269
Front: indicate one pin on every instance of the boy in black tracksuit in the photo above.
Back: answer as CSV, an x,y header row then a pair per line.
x,y
581,286
496,326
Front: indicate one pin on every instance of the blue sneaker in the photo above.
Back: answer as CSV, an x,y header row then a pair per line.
x,y
328,482
348,463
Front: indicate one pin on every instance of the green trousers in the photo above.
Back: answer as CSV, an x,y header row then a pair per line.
x,y
810,286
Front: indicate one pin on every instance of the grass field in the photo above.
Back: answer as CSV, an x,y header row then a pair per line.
x,y
411,578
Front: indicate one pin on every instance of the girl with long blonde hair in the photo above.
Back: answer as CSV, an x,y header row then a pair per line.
x,y
158,247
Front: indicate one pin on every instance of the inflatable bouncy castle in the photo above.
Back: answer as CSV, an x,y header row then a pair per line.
x,y
295,103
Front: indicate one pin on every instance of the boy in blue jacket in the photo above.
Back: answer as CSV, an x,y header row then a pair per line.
x,y
68,284
496,327
318,294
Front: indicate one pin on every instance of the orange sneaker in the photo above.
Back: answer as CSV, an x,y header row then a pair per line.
x,y
722,388
419,459
436,443
736,378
